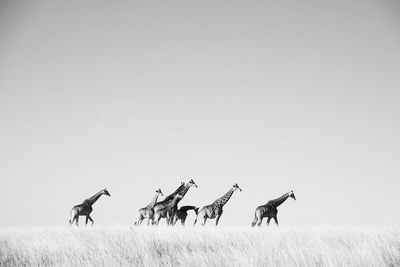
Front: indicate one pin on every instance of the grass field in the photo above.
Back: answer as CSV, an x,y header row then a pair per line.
x,y
196,246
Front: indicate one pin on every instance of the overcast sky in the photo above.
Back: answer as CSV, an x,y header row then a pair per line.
x,y
140,95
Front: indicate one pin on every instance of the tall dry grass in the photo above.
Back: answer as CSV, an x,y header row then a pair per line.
x,y
196,246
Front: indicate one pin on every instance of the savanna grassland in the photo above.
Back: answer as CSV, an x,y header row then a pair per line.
x,y
197,246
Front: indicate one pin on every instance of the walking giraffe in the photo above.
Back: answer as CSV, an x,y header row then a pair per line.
x,y
165,203
148,212
270,210
181,214
85,208
215,210
163,212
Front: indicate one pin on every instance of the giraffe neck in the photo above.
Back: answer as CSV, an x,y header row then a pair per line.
x,y
153,201
178,189
277,202
94,198
175,201
170,197
185,190
222,200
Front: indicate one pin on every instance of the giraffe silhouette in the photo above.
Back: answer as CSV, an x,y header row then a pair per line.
x,y
85,208
165,204
270,210
181,214
215,209
148,212
163,212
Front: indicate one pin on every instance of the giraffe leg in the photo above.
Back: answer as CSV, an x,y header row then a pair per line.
x,y
175,219
268,220
73,219
183,220
276,221
140,219
217,219
204,220
156,219
260,219
171,219
254,222
90,219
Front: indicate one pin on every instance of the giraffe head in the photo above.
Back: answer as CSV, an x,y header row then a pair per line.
x,y
158,191
192,183
291,194
106,192
236,187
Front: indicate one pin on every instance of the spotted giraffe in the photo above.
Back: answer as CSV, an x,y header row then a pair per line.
x,y
215,209
85,208
270,210
165,203
148,212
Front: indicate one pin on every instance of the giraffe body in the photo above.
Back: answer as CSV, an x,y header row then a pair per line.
x,y
182,213
270,210
85,209
148,211
215,210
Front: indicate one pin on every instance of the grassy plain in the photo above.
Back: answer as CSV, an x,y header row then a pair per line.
x,y
199,246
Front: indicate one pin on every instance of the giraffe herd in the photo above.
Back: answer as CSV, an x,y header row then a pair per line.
x,y
168,208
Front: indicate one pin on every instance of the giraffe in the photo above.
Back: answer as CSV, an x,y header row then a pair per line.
x,y
161,205
181,214
270,210
215,209
85,208
163,212
148,212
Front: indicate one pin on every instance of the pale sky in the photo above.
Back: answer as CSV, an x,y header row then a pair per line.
x,y
140,95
